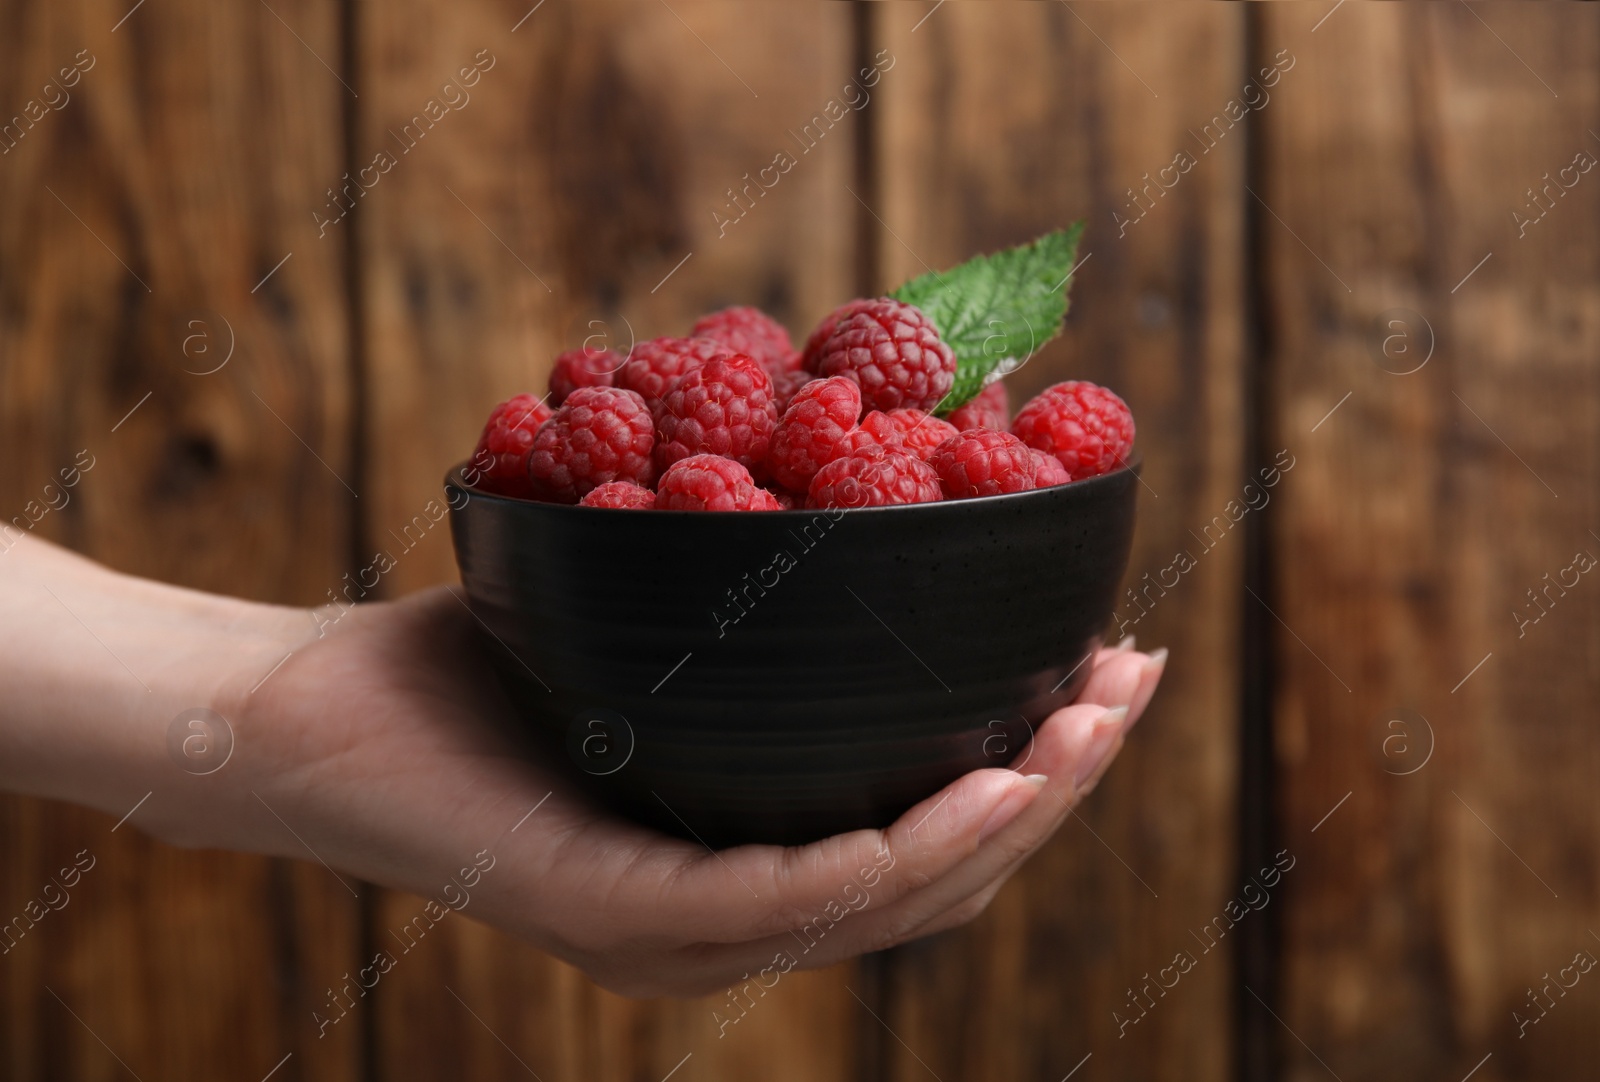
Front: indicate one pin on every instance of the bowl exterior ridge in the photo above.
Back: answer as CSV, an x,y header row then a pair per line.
x,y
782,676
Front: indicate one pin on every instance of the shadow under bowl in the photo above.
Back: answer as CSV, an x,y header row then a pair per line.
x,y
783,676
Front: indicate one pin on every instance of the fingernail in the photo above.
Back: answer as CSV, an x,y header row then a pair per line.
x,y
1011,806
1124,643
1107,728
1157,662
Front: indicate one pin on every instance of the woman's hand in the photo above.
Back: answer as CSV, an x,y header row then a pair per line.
x,y
376,748
380,745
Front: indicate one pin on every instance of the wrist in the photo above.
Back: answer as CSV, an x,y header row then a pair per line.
x,y
104,664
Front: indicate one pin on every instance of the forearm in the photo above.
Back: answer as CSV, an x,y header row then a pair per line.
x,y
95,665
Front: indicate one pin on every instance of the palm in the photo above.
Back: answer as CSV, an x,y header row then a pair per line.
x,y
382,745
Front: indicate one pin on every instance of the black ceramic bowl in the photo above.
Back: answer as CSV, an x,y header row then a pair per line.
x,y
781,676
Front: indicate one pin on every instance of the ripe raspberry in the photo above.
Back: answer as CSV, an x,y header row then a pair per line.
x,y
752,332
894,352
824,331
874,477
920,432
983,462
786,500
652,366
621,494
724,407
814,431
710,483
599,434
989,408
501,457
910,430
1048,470
1086,427
581,368
875,430
786,385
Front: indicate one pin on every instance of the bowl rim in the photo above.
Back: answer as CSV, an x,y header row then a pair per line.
x,y
1133,464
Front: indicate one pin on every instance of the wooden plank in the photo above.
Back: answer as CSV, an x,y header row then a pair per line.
x,y
159,185
1002,122
575,194
1420,513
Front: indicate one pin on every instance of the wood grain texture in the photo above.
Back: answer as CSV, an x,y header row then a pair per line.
x,y
1002,122
160,191
616,134
1425,907
579,187
576,194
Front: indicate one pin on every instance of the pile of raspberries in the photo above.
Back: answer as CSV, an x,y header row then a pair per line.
x,y
734,418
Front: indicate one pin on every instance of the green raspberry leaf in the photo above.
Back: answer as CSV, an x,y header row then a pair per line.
x,y
995,310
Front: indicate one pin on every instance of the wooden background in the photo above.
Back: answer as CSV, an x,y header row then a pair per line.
x,y
1443,869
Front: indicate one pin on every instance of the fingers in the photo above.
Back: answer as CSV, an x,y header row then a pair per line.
x,y
993,820
1149,677
1075,745
1114,679
754,891
967,911
1123,677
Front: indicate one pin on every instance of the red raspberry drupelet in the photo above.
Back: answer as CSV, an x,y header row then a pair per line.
x,y
1086,427
500,460
752,332
653,366
920,432
874,477
824,331
1048,470
711,483
910,430
983,462
815,430
989,408
875,430
894,352
619,494
724,407
599,434
786,385
581,368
